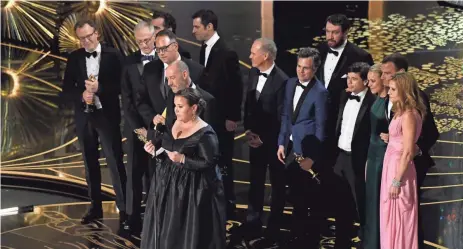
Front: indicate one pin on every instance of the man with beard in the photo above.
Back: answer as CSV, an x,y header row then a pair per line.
x,y
337,54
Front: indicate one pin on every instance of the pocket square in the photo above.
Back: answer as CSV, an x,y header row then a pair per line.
x,y
344,76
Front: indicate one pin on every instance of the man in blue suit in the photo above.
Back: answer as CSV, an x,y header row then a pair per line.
x,y
302,132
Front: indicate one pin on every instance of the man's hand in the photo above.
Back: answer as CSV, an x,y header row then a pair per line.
x,y
384,137
143,131
306,164
281,154
91,86
230,125
149,147
88,96
255,142
158,119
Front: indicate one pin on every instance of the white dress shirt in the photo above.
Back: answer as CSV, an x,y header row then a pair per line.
x,y
262,80
210,43
143,54
93,68
331,62
296,97
349,116
389,108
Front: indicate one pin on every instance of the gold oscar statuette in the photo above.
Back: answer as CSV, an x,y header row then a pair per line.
x,y
299,159
142,138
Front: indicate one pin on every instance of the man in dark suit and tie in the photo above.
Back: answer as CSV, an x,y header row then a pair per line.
x,y
167,47
353,139
337,55
92,84
178,76
137,160
390,65
222,79
302,131
262,119
163,20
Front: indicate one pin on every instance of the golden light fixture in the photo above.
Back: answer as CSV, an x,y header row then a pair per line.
x,y
29,21
12,89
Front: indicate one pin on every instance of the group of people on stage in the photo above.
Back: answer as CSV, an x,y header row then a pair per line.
x,y
350,139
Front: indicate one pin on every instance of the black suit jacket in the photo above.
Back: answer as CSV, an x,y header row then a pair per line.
x,y
209,115
184,53
361,137
109,87
131,84
338,84
150,101
263,116
428,137
222,79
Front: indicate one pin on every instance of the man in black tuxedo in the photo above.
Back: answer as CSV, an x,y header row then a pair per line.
x,y
222,79
101,118
178,75
390,65
137,160
353,139
337,55
163,20
167,47
262,119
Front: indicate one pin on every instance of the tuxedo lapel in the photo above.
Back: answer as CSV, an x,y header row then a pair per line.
x,y
83,65
302,99
341,112
386,109
104,63
213,53
341,63
268,83
361,113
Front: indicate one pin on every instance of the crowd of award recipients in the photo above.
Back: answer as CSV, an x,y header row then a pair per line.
x,y
346,138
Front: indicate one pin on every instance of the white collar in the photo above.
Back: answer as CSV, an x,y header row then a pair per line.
x,y
178,59
362,93
97,49
214,38
340,48
268,71
152,52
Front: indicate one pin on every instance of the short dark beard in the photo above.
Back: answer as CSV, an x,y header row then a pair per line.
x,y
340,43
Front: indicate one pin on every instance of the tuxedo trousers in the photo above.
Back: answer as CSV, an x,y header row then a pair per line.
x,y
100,130
262,158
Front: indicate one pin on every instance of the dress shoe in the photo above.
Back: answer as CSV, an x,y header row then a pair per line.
x,y
122,217
91,216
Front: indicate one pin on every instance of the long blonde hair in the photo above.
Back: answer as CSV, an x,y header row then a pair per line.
x,y
408,91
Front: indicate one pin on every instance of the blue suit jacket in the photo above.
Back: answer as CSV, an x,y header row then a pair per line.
x,y
307,122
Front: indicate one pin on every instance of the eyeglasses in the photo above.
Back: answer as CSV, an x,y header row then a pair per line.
x,y
164,49
86,37
145,41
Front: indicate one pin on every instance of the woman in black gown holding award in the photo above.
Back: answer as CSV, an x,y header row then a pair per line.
x,y
186,207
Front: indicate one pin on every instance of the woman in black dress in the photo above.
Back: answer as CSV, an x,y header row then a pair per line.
x,y
186,206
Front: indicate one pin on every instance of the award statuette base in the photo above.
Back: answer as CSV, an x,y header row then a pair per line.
x,y
299,159
142,138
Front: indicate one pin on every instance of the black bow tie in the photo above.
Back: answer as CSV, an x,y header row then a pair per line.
x,y
354,97
336,53
263,74
88,54
147,57
300,84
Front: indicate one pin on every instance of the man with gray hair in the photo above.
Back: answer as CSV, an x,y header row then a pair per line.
x,y
302,131
178,76
137,165
262,118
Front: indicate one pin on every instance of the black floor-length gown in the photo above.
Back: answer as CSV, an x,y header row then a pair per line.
x,y
186,204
